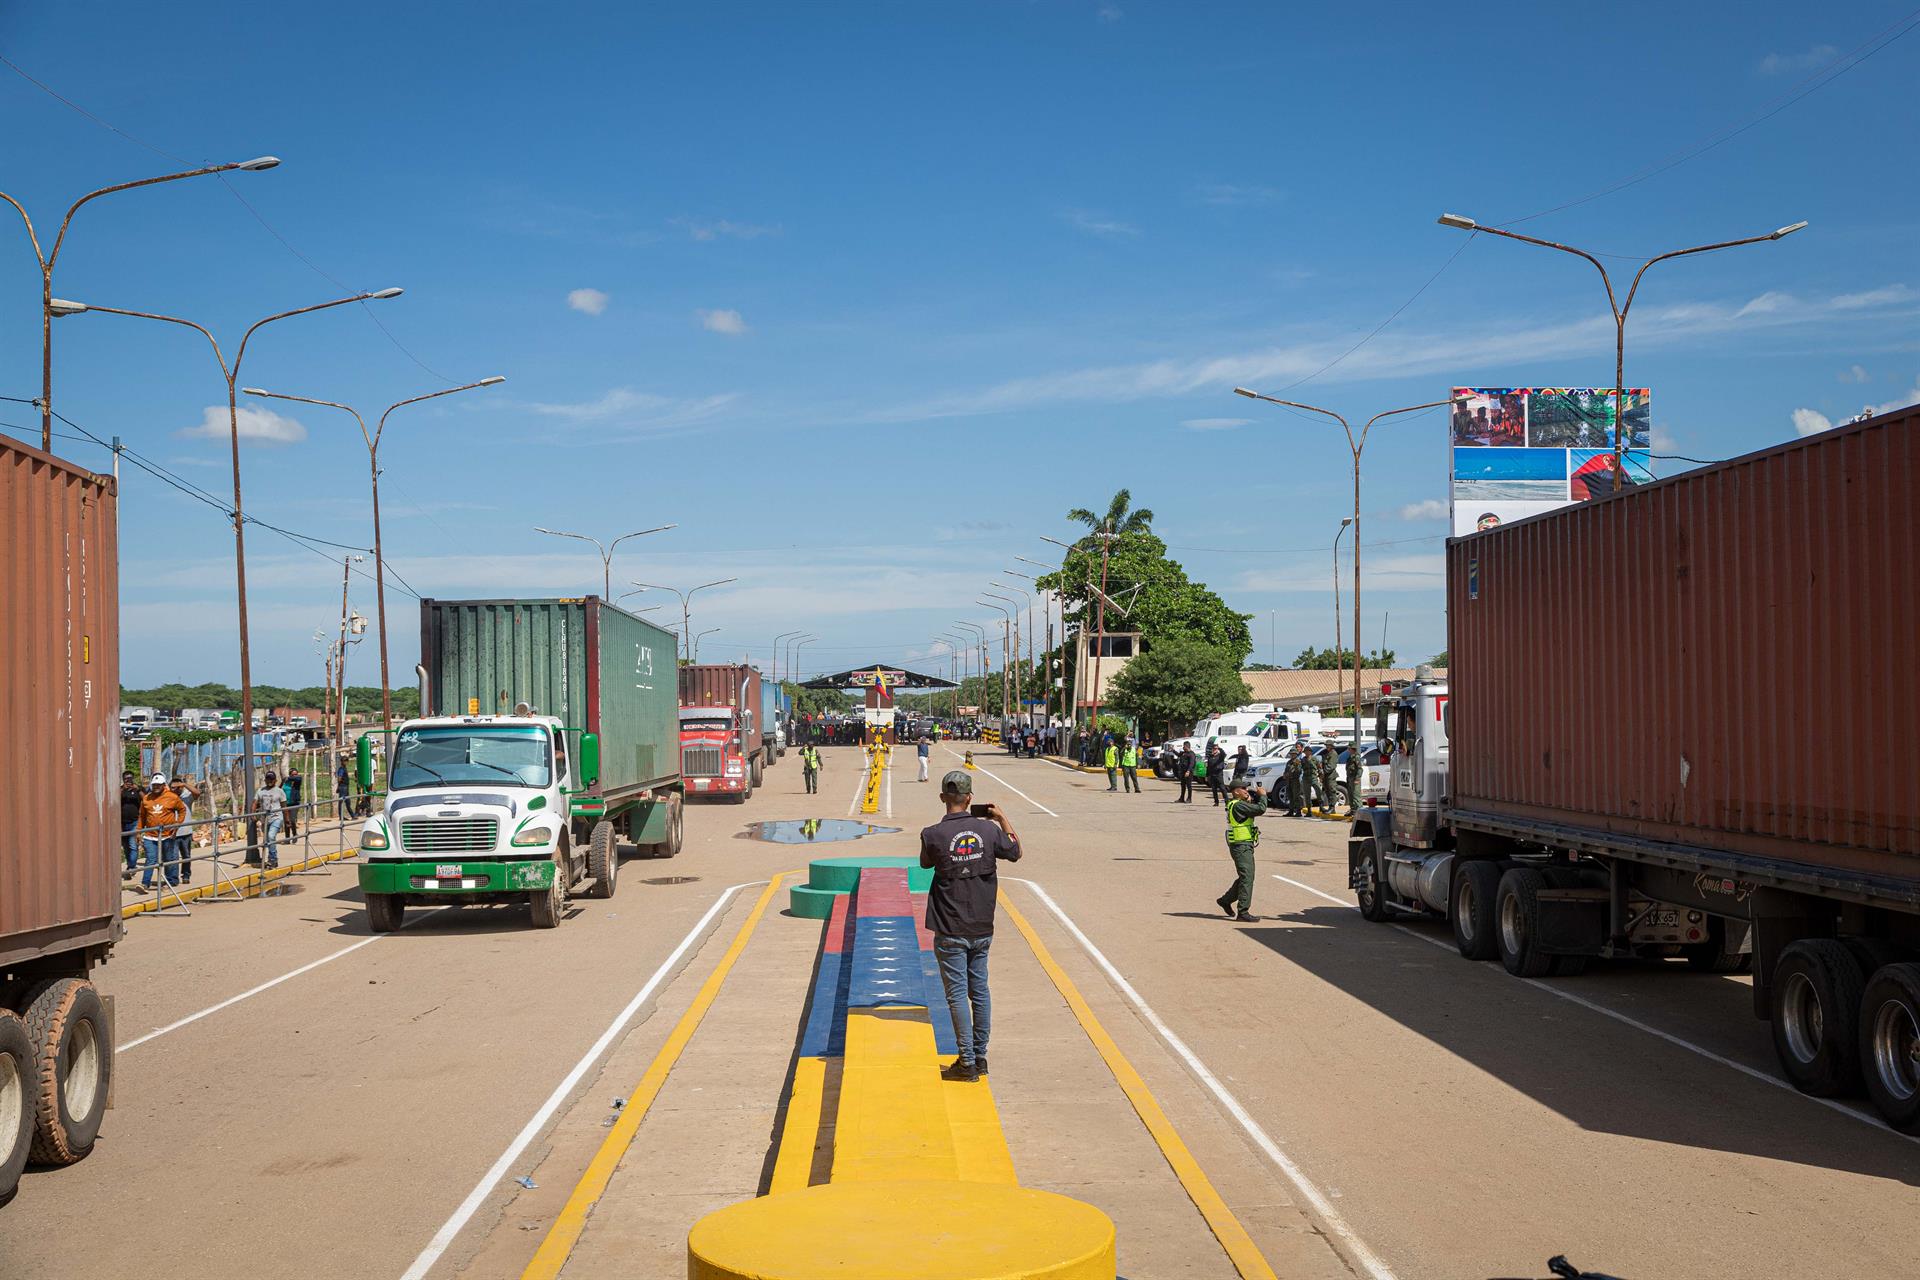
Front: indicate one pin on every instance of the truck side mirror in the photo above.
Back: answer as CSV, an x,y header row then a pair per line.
x,y
589,759
1380,722
363,762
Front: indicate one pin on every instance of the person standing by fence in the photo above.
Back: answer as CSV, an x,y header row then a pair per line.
x,y
294,785
182,840
129,823
161,814
269,805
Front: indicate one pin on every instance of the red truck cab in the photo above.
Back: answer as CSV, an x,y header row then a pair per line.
x,y
713,755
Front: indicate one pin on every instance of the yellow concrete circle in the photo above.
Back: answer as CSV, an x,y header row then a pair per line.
x,y
904,1231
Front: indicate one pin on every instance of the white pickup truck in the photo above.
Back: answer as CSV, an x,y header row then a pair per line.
x,y
1257,727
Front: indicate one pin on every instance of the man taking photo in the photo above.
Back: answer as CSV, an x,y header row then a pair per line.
x,y
964,848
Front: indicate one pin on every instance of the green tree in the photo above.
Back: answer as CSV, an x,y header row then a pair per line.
x,y
1439,659
1330,659
1121,516
1178,682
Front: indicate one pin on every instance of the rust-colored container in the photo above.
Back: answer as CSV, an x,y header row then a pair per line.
x,y
60,748
723,684
1723,659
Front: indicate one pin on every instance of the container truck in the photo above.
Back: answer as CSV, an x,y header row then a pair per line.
x,y
773,728
1661,736
548,735
59,845
723,746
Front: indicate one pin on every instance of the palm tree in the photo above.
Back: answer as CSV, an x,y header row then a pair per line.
x,y
1122,516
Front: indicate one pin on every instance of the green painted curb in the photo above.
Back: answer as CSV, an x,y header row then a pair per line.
x,y
842,875
810,904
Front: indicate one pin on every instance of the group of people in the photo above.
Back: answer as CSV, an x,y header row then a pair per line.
x,y
1309,781
154,821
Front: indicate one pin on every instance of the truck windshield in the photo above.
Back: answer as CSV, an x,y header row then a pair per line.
x,y
432,757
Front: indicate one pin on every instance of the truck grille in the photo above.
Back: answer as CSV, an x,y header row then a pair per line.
x,y
700,762
449,835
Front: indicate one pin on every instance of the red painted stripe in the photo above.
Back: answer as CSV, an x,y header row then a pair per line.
x,y
920,922
883,892
839,934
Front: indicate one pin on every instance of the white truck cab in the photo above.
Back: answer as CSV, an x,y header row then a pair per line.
x,y
476,807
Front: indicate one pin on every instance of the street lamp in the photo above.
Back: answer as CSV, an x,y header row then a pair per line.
x,y
1019,699
47,259
793,649
963,658
1006,625
1339,661
373,462
697,639
232,376
686,596
606,550
1060,607
1355,445
1619,309
776,653
800,644
1027,606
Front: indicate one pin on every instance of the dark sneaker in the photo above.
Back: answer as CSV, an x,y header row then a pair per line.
x,y
1226,905
980,1066
1246,917
962,1071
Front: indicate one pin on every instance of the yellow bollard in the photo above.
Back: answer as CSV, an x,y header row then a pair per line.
x,y
969,760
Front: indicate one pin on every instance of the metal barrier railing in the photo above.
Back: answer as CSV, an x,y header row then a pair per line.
x,y
177,854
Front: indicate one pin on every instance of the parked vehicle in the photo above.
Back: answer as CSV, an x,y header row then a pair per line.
x,y
552,737
1637,805
723,747
1256,726
1269,770
773,716
59,847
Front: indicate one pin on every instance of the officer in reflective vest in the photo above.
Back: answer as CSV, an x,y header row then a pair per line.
x,y
1110,760
1243,808
810,767
1130,765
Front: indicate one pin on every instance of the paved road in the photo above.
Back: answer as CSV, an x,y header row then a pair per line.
x,y
1452,1121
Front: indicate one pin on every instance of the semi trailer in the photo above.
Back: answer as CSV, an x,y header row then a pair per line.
x,y
1662,735
548,735
725,734
60,842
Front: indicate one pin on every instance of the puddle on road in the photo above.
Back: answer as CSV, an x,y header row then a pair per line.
x,y
671,880
813,830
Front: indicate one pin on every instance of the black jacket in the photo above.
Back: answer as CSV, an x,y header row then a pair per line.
x,y
964,852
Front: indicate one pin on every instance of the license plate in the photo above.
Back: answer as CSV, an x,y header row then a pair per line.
x,y
700,784
447,871
1663,919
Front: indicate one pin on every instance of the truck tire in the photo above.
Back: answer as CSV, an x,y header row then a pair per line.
x,y
603,860
676,829
1476,894
1373,899
756,773
384,911
1873,954
1816,993
548,904
1517,920
1890,1044
74,1060
17,1093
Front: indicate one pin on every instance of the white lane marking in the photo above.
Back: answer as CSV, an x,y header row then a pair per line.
x,y
1745,1070
1330,1217
250,992
489,1180
859,791
1003,782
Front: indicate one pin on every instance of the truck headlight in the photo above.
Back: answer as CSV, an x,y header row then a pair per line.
x,y
533,837
373,838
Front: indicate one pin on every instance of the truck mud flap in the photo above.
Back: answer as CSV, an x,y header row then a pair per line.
x,y
1362,870
1571,922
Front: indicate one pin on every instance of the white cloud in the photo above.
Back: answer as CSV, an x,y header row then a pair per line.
x,y
1452,352
1664,441
1853,374
1810,422
256,426
639,411
722,321
1775,64
723,228
1906,398
1097,224
1232,193
1430,509
587,301
1214,424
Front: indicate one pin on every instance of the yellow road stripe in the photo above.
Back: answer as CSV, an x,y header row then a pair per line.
x,y
572,1220
793,1166
892,1123
979,1143
250,883
1226,1228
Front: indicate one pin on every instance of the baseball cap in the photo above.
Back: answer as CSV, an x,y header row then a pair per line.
x,y
157,780
957,782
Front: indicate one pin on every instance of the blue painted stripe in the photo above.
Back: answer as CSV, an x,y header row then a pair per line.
x,y
938,1013
825,1034
886,963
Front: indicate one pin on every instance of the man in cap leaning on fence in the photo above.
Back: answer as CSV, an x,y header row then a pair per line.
x,y
161,814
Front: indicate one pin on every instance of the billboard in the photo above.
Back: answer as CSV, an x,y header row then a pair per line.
x,y
1519,451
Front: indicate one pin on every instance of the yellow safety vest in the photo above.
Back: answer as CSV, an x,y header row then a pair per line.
x,y
1111,757
1129,757
1239,830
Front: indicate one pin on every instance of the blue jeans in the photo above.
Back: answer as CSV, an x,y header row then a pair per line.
x,y
154,847
270,839
131,841
963,972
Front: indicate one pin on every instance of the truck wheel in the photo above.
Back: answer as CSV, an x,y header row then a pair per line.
x,y
1890,1044
1372,899
68,1025
1873,954
603,859
676,829
1476,892
16,1101
756,773
548,904
384,911
1517,919
1816,1016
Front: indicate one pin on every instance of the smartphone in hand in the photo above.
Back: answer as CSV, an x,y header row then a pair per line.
x,y
981,810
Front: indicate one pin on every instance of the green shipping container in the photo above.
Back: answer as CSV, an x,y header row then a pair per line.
x,y
596,667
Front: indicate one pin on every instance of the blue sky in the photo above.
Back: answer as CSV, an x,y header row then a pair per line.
x,y
865,296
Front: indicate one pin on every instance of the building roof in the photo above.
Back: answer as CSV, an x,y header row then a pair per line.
x,y
1296,689
866,677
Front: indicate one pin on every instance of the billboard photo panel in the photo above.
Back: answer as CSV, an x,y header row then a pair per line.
x,y
1522,451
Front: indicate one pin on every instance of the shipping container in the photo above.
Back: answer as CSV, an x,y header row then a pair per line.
x,y
1661,736
1697,661
61,754
728,760
597,667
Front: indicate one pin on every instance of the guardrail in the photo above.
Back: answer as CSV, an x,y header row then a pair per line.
x,y
233,877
